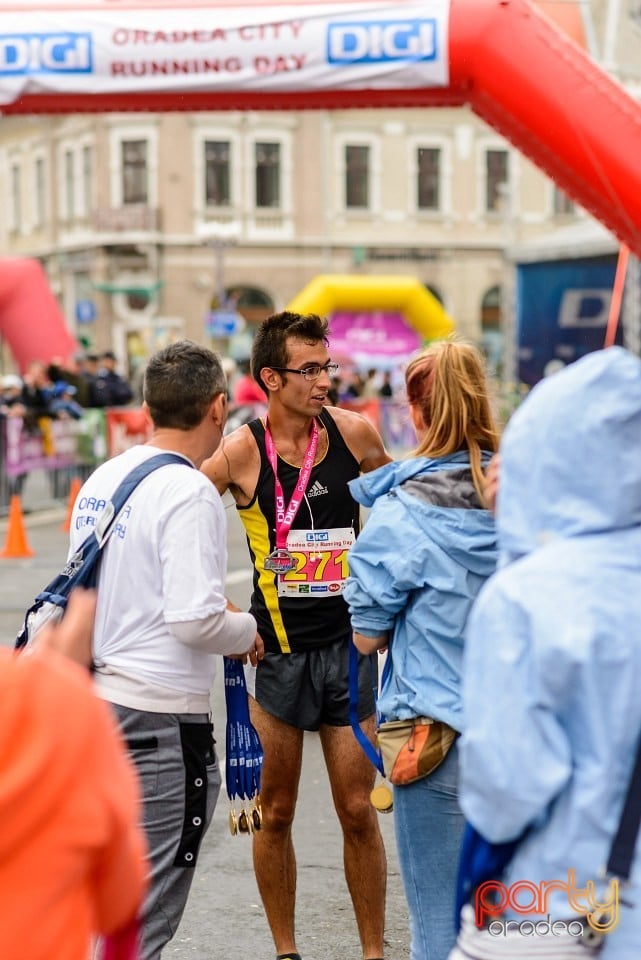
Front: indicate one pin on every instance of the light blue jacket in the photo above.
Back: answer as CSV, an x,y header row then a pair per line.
x,y
424,552
552,667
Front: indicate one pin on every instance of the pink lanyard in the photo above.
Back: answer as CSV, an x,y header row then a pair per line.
x,y
285,515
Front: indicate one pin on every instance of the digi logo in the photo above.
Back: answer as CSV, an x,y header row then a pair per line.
x,y
380,41
33,53
317,536
584,308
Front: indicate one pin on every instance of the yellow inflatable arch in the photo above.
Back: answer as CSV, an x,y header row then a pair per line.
x,y
355,293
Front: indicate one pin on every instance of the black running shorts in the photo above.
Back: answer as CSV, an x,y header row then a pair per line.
x,y
311,688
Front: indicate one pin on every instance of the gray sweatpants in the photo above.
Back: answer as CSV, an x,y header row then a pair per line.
x,y
180,782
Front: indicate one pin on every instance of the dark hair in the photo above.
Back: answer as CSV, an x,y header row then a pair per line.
x,y
180,382
270,343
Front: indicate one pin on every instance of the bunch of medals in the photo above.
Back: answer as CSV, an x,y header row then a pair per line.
x,y
249,820
244,754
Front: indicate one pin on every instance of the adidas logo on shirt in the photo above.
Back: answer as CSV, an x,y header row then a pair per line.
x,y
316,489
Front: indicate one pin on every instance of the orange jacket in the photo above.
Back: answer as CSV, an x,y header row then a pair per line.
x,y
72,856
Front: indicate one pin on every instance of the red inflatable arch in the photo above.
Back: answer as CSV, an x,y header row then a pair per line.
x,y
31,321
506,59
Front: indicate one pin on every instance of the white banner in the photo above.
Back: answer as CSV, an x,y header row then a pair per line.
x,y
324,46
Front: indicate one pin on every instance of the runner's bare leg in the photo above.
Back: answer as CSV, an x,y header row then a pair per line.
x,y
273,849
352,777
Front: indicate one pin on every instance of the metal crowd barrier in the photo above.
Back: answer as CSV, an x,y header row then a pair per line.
x,y
39,460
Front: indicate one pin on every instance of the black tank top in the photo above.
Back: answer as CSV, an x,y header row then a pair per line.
x,y
315,616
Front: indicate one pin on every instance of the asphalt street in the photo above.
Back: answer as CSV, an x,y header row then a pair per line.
x,y
224,917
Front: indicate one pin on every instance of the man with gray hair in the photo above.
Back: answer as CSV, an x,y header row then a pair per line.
x,y
162,617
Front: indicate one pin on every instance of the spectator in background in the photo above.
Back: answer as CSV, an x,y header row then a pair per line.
x,y
36,393
386,391
351,386
11,404
108,388
71,372
88,365
62,403
246,391
370,384
333,394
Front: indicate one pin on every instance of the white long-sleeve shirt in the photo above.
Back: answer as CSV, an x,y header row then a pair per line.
x,y
161,616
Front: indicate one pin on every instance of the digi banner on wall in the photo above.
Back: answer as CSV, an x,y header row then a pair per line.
x,y
562,310
319,46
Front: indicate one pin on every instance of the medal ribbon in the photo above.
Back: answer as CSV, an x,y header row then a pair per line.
x,y
244,753
285,514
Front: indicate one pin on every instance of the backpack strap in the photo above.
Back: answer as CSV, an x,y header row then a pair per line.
x,y
625,838
127,486
82,568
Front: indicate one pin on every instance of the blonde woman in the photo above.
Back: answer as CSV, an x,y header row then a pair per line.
x,y
426,550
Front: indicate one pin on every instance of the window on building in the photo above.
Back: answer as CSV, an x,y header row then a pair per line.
x,y
16,196
40,191
267,161
70,181
491,309
357,176
496,174
217,173
491,335
250,297
253,303
428,161
135,185
87,179
562,204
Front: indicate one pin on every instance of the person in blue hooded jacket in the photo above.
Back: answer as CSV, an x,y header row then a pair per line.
x,y
424,553
552,664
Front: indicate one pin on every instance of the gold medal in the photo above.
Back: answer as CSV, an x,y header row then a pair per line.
x,y
382,798
243,822
257,817
233,823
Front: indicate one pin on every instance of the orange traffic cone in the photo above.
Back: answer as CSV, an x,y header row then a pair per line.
x,y
16,544
74,490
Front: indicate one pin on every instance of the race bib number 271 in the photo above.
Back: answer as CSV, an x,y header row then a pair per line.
x,y
320,563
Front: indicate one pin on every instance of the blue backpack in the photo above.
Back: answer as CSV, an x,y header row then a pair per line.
x,y
81,570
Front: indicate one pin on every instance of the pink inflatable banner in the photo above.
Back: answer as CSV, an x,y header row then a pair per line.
x,y
374,339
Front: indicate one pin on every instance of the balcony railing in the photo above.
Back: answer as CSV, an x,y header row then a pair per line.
x,y
135,216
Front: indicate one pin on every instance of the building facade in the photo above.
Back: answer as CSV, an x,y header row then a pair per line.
x,y
146,223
